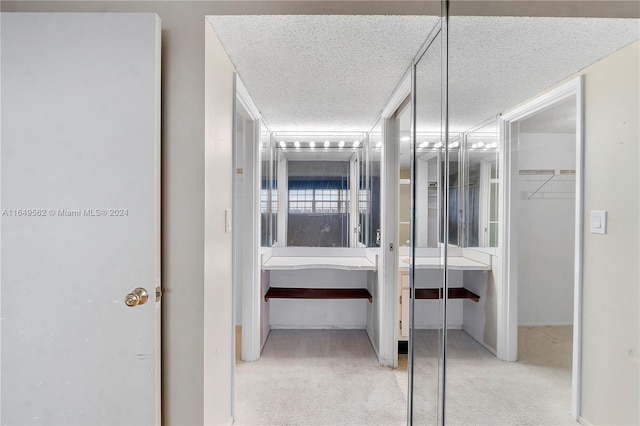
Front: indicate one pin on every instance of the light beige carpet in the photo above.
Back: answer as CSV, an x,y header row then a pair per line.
x,y
332,377
318,377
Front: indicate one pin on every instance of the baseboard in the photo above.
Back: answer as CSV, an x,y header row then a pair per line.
x,y
316,327
375,349
437,327
546,324
584,421
487,347
265,341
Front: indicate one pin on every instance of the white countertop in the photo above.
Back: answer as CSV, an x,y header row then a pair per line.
x,y
455,262
347,263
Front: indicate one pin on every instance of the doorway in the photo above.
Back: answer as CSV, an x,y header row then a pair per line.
x,y
462,247
543,232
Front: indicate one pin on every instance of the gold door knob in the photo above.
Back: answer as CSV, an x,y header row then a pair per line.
x,y
138,296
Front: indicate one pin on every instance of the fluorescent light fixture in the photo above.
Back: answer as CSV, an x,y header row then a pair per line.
x,y
480,144
282,144
341,144
423,145
405,139
474,146
455,144
379,144
326,144
494,145
312,144
438,145
296,144
356,144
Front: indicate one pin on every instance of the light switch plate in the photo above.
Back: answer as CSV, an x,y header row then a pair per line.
x,y
598,222
227,220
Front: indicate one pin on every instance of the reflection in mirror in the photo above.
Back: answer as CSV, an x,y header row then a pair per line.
x,y
424,275
480,211
428,169
273,201
363,195
318,210
403,138
268,190
325,195
374,161
455,193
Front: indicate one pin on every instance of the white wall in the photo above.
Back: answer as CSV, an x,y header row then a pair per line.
x,y
611,308
219,364
546,233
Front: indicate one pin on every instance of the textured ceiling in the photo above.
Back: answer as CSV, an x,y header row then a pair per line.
x,y
321,72
337,72
496,63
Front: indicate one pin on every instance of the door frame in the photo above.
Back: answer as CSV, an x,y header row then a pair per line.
x,y
246,227
389,195
507,339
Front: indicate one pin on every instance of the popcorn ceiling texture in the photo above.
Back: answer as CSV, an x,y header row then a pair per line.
x,y
321,72
337,72
497,63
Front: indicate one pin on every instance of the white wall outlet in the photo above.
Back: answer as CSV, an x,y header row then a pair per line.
x,y
598,222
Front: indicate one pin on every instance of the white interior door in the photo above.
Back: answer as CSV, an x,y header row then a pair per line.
x,y
80,146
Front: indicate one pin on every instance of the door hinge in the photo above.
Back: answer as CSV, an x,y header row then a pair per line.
x,y
158,294
401,300
400,324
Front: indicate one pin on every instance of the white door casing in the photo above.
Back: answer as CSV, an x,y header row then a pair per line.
x,y
507,339
247,223
80,197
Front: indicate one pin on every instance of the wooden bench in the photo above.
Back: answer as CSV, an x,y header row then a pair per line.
x,y
454,293
317,293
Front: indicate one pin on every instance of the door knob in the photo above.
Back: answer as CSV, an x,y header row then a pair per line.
x,y
138,296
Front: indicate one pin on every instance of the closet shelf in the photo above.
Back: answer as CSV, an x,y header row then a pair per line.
x,y
547,183
454,293
317,293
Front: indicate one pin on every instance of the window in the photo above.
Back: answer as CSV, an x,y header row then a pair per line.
x,y
318,204
306,201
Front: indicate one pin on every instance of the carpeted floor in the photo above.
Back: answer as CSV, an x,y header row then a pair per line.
x,y
332,377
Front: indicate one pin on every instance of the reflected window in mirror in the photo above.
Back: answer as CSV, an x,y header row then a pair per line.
x,y
318,210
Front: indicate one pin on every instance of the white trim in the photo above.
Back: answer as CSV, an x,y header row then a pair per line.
x,y
507,315
388,269
584,421
248,219
546,324
317,327
579,253
245,99
388,265
439,327
398,96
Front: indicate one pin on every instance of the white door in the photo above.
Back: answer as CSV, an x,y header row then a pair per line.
x,y
80,146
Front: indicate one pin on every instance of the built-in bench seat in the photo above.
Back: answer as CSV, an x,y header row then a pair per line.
x,y
317,293
454,293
